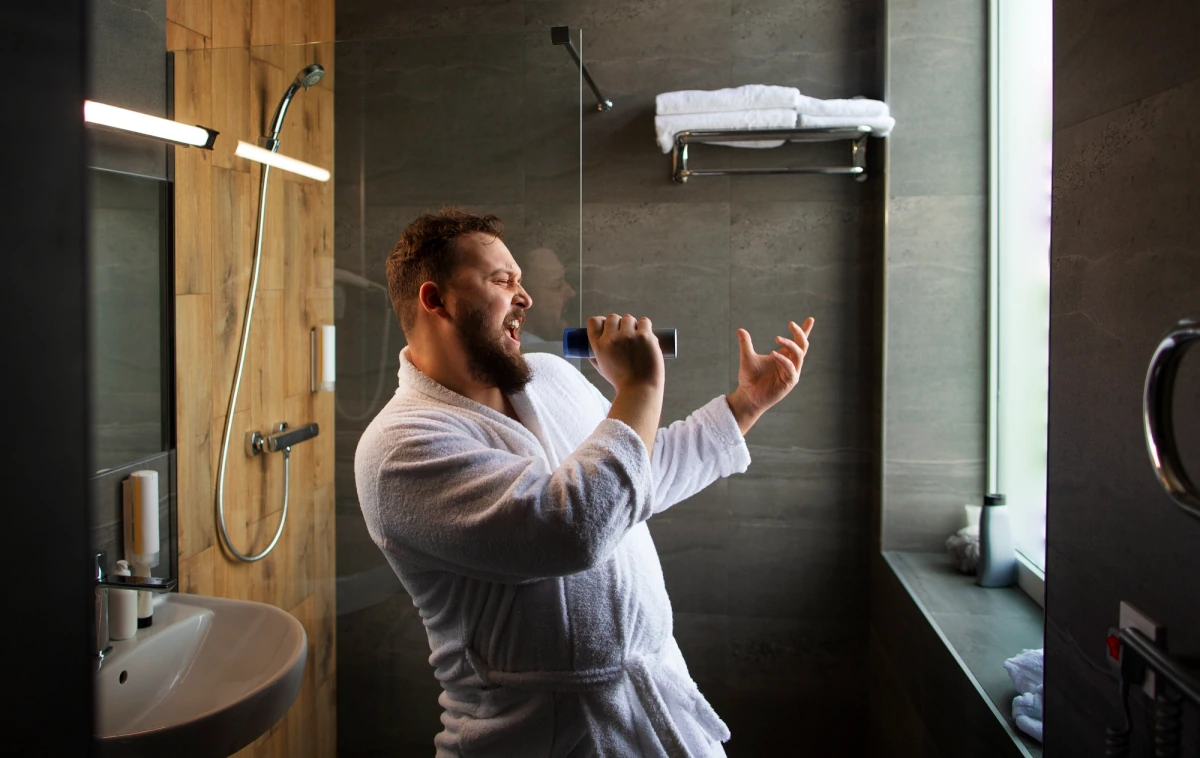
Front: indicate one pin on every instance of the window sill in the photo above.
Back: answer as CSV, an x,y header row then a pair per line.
x,y
979,627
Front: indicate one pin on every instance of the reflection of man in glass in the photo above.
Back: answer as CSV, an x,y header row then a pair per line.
x,y
545,279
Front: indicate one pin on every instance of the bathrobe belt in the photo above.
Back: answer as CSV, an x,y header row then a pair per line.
x,y
602,694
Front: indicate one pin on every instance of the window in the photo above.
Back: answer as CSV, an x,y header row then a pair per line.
x,y
1019,323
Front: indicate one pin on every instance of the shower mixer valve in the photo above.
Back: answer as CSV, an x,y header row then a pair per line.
x,y
282,440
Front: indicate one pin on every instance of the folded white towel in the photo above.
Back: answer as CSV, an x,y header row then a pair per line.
x,y
667,127
881,125
1026,671
744,98
859,107
1027,713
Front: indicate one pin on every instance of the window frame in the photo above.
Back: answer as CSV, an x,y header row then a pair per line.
x,y
1030,577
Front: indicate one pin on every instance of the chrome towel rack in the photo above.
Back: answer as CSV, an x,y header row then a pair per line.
x,y
1158,418
857,135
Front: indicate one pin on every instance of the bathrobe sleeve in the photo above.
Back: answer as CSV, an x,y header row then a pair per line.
x,y
446,500
691,454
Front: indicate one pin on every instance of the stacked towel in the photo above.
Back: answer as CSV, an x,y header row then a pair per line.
x,y
1026,672
761,106
750,97
857,111
753,106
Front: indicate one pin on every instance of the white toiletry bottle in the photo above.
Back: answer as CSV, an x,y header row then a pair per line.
x,y
122,608
997,559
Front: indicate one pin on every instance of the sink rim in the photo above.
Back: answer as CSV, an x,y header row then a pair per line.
x,y
293,668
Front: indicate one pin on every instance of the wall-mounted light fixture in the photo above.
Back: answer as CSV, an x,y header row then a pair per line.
x,y
254,153
164,129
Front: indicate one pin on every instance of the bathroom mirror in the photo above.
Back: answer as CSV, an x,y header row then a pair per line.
x,y
130,318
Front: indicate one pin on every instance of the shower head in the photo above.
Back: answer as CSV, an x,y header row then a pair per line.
x,y
308,76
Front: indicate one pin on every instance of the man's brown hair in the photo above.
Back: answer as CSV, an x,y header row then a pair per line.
x,y
427,252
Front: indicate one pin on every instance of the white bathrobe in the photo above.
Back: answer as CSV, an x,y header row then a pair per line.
x,y
524,545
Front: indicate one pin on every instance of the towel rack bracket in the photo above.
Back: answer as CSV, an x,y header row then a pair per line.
x,y
856,135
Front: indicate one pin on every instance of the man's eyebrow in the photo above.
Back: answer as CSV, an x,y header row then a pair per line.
x,y
506,270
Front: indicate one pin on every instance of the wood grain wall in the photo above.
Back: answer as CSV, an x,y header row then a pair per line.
x,y
234,59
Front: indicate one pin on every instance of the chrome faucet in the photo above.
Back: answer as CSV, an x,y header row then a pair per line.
x,y
103,583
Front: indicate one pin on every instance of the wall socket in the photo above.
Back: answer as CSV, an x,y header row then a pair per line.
x,y
1133,617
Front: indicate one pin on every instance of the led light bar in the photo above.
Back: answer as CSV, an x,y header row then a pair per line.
x,y
254,153
150,126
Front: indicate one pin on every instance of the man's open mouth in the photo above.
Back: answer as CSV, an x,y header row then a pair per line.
x,y
514,329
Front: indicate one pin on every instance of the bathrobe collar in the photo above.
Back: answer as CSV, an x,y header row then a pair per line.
x,y
412,379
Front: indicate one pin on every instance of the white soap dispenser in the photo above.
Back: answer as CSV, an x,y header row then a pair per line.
x,y
122,608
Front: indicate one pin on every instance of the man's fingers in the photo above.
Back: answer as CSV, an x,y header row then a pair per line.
x,y
793,351
805,328
787,370
799,335
745,345
595,325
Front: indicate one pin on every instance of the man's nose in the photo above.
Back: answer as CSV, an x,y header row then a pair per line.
x,y
523,299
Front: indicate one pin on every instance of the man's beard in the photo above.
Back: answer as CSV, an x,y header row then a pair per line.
x,y
488,360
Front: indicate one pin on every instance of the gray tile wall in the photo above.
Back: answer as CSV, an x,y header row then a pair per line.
x,y
767,571
936,364
1125,259
128,69
126,261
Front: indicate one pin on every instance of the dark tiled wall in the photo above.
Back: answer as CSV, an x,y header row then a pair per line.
x,y
936,364
1125,260
127,260
767,571
128,69
935,371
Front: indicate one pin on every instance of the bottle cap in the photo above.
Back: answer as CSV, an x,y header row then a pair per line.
x,y
122,568
993,499
576,344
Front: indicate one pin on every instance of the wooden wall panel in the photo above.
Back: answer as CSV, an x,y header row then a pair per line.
x,y
231,23
195,15
235,91
193,222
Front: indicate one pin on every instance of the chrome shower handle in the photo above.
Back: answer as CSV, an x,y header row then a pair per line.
x,y
1157,405
282,440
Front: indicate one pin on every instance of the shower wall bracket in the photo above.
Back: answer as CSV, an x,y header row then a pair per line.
x,y
856,135
561,35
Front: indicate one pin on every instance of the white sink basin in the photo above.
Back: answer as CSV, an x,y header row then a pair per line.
x,y
206,679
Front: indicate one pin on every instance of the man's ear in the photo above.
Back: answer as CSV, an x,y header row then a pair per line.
x,y
431,301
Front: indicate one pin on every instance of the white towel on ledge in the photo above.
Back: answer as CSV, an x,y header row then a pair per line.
x,y
666,127
881,125
1026,671
858,107
744,98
